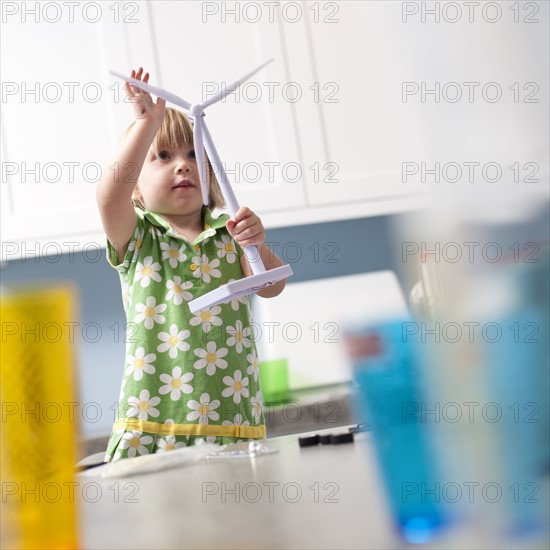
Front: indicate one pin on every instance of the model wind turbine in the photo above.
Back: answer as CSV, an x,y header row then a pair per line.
x,y
202,140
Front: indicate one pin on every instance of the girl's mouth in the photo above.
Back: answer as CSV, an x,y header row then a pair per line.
x,y
183,184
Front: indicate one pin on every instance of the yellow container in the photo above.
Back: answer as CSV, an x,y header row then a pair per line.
x,y
38,430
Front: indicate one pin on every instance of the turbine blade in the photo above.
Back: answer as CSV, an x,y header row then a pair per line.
x,y
233,86
219,170
159,92
199,155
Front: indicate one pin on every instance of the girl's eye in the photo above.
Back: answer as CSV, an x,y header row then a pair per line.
x,y
192,153
164,155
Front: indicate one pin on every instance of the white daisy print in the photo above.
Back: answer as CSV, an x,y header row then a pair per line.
x,y
211,358
173,341
205,269
239,337
203,410
126,299
143,406
237,421
140,363
208,317
227,249
236,387
135,245
176,384
146,271
173,253
177,290
209,439
253,365
168,443
135,443
256,404
150,313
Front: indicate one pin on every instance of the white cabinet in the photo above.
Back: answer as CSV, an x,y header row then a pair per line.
x,y
60,120
371,148
355,129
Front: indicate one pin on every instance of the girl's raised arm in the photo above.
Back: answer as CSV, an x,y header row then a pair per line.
x,y
115,187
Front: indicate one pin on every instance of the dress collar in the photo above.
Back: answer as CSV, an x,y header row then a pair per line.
x,y
211,223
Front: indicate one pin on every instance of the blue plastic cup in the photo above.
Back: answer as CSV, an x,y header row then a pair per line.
x,y
386,368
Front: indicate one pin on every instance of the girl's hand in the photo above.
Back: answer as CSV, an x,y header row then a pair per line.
x,y
246,228
144,108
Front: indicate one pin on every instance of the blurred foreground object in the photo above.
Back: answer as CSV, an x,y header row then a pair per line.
x,y
389,381
39,431
478,263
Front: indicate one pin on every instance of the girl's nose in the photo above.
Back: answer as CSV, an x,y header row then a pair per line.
x,y
182,166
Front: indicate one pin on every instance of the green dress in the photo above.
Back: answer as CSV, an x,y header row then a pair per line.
x,y
188,378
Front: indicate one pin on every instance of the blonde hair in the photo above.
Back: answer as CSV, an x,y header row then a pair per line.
x,y
177,131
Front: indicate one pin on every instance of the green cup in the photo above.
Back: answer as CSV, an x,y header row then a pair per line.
x,y
274,381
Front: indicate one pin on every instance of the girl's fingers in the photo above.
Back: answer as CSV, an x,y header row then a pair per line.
x,y
142,99
252,240
250,233
243,213
247,223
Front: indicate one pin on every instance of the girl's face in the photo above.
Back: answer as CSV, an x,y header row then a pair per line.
x,y
169,182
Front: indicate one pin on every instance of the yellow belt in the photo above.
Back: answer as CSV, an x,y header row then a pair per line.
x,y
248,432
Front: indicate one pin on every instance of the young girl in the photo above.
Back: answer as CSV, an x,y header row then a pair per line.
x,y
188,378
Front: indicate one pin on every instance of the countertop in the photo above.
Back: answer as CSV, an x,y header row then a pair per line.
x,y
326,496
312,497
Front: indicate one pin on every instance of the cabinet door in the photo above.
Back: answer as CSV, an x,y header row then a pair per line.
x,y
406,98
60,121
202,47
355,129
